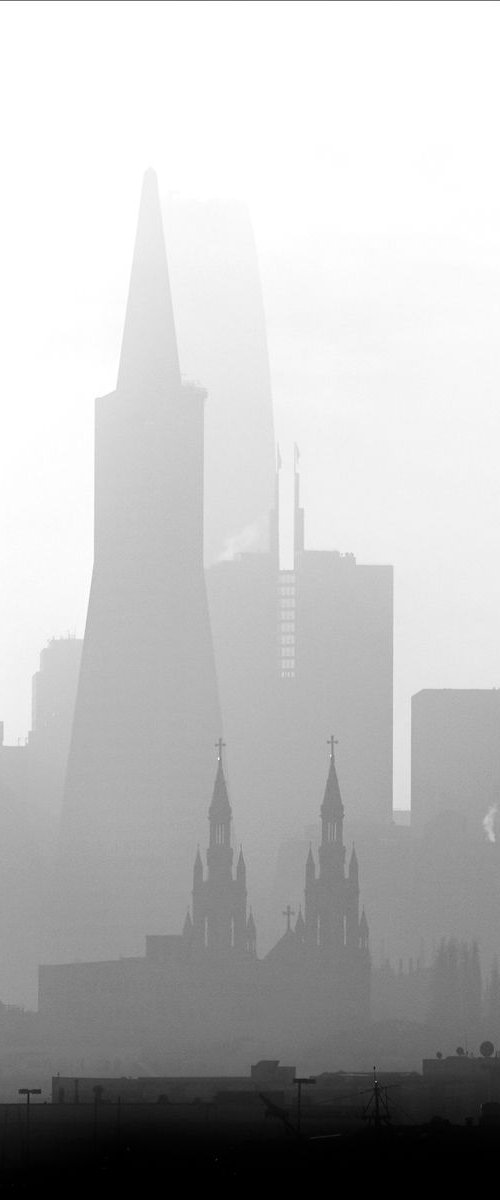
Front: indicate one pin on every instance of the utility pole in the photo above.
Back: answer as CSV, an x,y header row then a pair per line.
x,y
379,1114
28,1092
300,1081
98,1091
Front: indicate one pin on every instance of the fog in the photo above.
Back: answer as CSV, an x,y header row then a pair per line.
x,y
362,138
290,212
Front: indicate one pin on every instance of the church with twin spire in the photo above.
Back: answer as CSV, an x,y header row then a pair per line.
x,y
209,982
161,641
330,925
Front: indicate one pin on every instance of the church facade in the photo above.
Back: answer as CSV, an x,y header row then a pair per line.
x,y
207,986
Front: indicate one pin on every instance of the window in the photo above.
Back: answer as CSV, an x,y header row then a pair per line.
x,y
286,624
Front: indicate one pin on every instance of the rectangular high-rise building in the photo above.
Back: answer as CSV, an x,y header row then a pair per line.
x,y
221,334
301,653
455,758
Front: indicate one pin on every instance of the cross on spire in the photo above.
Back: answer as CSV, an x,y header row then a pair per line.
x,y
220,746
332,741
288,913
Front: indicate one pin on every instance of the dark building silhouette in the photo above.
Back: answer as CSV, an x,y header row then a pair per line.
x,y
220,920
323,964
222,340
332,919
147,709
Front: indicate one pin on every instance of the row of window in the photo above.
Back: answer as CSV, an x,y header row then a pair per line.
x,y
286,626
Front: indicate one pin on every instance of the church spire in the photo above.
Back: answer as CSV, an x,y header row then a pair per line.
x,y
300,926
241,870
220,808
198,867
220,854
310,866
332,809
149,362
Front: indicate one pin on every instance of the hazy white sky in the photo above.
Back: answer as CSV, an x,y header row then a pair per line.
x,y
364,138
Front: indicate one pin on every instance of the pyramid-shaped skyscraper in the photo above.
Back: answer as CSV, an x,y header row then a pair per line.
x,y
147,710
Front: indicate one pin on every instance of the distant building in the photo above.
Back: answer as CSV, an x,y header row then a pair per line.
x,y
323,964
402,816
297,651
462,1086
147,709
220,923
173,654
222,340
207,986
34,772
455,760
177,1089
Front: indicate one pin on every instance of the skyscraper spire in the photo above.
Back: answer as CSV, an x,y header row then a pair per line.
x,y
149,361
298,512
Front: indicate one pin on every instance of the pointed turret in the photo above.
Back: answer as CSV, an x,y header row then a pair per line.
x,y
332,852
220,854
198,867
310,867
241,870
354,868
352,924
300,926
149,362
332,800
251,935
311,900
188,926
220,808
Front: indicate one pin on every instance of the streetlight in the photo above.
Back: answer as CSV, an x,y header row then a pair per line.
x,y
300,1081
28,1092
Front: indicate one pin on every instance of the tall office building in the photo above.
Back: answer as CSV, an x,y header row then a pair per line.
x,y
34,771
222,340
455,759
298,651
147,711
